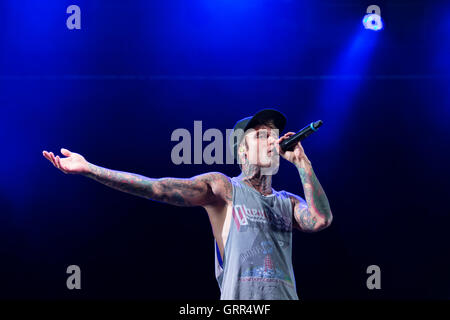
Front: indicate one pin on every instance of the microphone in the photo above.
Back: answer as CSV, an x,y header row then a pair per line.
x,y
290,142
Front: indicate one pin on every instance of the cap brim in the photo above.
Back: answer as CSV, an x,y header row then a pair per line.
x,y
268,114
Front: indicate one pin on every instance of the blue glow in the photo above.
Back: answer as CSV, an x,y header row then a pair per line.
x,y
336,98
373,22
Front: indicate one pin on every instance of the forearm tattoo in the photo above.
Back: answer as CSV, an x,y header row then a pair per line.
x,y
317,202
180,192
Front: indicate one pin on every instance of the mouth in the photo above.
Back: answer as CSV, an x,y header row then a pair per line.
x,y
271,152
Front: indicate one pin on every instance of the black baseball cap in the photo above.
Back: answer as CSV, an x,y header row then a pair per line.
x,y
278,118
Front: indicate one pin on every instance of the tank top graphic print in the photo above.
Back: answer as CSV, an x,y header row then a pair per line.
x,y
257,259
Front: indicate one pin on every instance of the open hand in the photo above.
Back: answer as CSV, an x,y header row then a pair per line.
x,y
74,163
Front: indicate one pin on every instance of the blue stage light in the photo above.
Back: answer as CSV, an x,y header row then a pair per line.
x,y
372,21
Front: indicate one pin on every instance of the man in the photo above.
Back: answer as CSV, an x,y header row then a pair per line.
x,y
252,223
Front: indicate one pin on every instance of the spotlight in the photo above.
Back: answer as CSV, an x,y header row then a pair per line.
x,y
372,21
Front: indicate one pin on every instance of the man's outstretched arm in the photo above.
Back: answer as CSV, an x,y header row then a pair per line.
x,y
202,190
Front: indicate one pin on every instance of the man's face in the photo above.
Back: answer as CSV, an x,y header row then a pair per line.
x,y
261,146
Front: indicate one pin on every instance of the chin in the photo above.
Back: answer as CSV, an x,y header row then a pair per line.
x,y
265,164
269,164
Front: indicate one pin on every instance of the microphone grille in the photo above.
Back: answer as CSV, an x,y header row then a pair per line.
x,y
318,123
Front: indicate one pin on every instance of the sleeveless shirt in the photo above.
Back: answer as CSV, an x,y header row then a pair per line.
x,y
257,237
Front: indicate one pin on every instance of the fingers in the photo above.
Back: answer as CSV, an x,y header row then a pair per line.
x,y
66,152
45,153
53,159
56,161
285,136
49,157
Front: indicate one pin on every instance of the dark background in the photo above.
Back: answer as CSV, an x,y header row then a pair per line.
x,y
115,91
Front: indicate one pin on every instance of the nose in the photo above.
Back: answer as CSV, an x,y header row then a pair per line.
x,y
271,141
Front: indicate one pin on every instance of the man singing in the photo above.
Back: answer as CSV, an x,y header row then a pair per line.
x,y
252,223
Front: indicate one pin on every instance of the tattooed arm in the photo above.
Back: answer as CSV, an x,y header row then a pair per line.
x,y
202,190
314,214
208,190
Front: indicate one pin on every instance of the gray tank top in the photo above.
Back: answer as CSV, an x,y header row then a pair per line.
x,y
257,260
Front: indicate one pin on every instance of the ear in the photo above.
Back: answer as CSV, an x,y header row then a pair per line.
x,y
242,148
241,154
